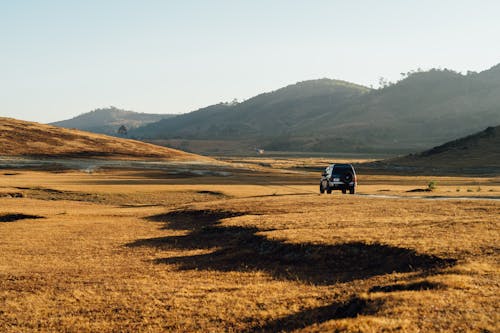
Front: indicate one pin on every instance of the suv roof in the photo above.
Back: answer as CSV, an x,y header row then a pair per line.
x,y
342,165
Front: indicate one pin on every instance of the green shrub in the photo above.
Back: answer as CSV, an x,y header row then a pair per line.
x,y
432,185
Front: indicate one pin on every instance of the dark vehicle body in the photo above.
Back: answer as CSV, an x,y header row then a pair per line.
x,y
338,177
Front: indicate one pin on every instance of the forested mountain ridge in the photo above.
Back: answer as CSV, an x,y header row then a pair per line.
x,y
424,109
421,110
268,114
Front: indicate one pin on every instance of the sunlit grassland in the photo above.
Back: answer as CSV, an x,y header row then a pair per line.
x,y
132,251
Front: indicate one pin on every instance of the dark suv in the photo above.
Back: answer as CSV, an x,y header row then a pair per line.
x,y
338,177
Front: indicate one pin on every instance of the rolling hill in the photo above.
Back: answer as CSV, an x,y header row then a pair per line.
x,y
22,138
422,110
261,119
477,152
109,120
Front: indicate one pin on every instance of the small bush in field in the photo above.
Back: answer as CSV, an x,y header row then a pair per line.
x,y
432,185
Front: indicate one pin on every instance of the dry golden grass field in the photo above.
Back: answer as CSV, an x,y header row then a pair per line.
x,y
25,138
259,250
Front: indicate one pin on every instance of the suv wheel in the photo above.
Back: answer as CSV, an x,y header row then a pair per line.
x,y
352,190
321,189
347,177
328,190
344,190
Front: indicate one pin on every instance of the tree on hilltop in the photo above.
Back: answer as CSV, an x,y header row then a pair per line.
x,y
122,130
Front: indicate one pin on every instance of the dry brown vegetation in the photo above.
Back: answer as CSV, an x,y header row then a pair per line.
x,y
478,151
21,138
144,251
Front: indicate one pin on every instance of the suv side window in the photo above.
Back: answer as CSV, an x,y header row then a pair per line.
x,y
328,171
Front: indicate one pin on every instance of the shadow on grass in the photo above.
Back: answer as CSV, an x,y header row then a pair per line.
x,y
17,217
339,310
413,286
238,248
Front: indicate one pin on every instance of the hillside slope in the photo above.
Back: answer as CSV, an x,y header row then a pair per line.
x,y
479,151
22,138
278,113
109,120
425,109
422,110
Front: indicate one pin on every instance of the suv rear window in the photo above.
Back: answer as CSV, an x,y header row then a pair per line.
x,y
339,169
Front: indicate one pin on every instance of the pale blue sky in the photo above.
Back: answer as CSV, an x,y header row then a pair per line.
x,y
62,58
